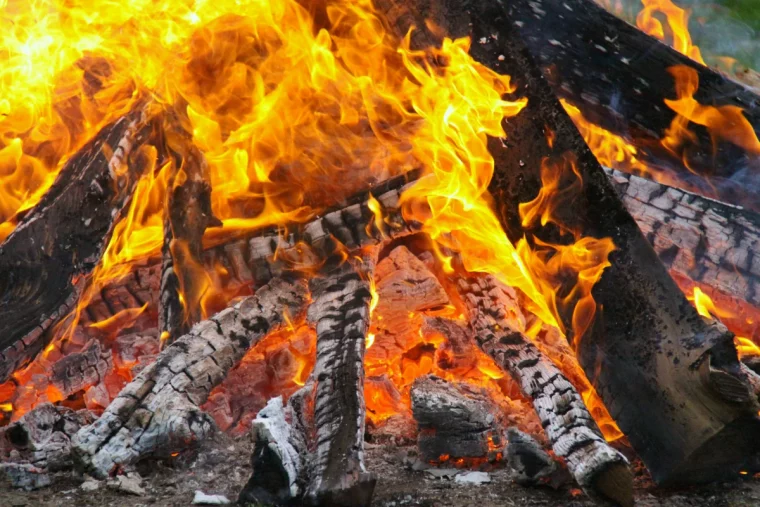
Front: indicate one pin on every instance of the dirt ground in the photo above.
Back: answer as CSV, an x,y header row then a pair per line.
x,y
221,466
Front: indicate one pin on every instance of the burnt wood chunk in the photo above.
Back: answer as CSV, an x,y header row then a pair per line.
x,y
529,461
78,371
281,454
159,411
618,76
710,242
495,318
188,214
62,238
341,314
648,342
457,420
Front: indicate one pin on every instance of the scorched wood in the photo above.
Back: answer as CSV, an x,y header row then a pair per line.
x,y
618,76
340,311
158,412
647,342
61,239
598,468
188,214
710,242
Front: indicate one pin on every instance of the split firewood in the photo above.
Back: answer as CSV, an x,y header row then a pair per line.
x,y
457,420
598,468
710,242
646,337
158,412
281,455
340,311
42,437
619,77
188,214
43,261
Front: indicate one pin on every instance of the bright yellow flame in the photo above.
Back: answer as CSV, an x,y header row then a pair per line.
x,y
705,306
6,407
677,21
370,340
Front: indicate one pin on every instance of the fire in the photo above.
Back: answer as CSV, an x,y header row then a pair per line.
x,y
677,21
724,123
294,108
708,309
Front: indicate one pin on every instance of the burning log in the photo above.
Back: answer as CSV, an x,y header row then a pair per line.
x,y
158,412
618,76
648,342
457,420
496,319
80,370
63,237
188,216
710,242
340,311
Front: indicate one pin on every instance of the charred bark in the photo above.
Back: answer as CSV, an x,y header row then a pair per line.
x,y
63,237
457,420
158,412
340,311
618,76
188,214
710,242
575,437
648,343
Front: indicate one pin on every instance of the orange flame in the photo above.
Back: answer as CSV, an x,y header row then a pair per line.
x,y
677,21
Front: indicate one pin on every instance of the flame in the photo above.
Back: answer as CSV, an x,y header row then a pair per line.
x,y
294,106
708,309
677,21
724,123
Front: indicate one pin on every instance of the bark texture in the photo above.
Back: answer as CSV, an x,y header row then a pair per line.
x,y
63,236
710,242
496,319
158,412
340,311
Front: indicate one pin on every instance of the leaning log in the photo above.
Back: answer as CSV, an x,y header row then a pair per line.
x,y
598,468
618,76
159,411
188,214
340,312
710,242
43,261
648,342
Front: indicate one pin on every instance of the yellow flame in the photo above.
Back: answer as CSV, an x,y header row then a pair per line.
x,y
677,35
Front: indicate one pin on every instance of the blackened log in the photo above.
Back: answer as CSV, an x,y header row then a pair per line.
x,y
341,314
457,420
188,214
618,76
42,262
710,242
574,435
78,371
648,342
159,411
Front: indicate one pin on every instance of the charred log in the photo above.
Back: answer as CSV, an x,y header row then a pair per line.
x,y
340,312
80,370
457,420
710,242
188,215
63,237
575,437
618,76
158,412
648,338
529,461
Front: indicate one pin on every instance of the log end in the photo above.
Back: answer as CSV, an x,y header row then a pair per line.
x,y
615,483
